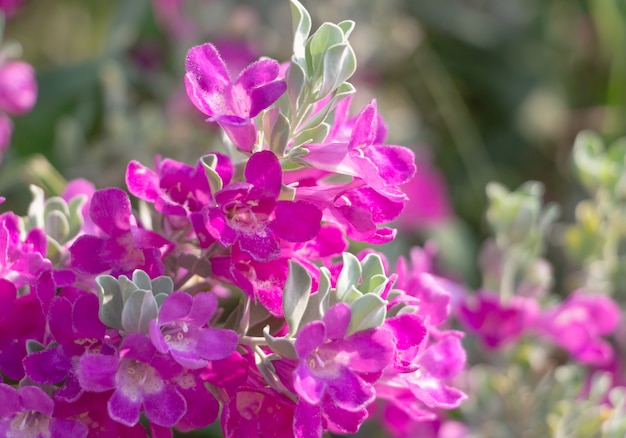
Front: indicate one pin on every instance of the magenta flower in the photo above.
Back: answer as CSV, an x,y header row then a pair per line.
x,y
334,374
250,214
74,323
18,88
141,379
124,246
421,392
494,322
175,188
383,167
28,412
22,259
231,104
578,323
91,410
258,412
180,330
21,319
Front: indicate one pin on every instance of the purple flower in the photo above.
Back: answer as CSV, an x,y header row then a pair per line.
x,y
333,376
141,379
181,330
28,412
578,324
497,323
124,246
231,104
250,214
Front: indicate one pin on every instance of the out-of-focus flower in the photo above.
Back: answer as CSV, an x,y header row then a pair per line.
x,y
578,323
497,323
18,88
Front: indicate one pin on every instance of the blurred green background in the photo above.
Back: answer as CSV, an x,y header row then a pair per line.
x,y
491,89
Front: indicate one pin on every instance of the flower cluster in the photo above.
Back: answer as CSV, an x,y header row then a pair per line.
x,y
229,292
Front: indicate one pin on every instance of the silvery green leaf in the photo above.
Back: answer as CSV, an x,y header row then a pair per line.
x,y
33,346
54,251
324,38
209,162
58,204
279,134
76,217
111,301
371,265
282,346
312,311
266,368
367,311
377,284
343,91
324,290
142,280
349,276
339,65
139,310
352,294
162,285
159,298
301,24
411,310
347,26
296,295
126,286
313,135
57,226
36,207
296,79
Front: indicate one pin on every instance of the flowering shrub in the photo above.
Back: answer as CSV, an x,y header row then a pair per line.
x,y
109,316
245,290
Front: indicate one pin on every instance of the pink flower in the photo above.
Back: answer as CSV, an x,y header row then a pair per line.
x,y
578,324
497,323
231,104
18,88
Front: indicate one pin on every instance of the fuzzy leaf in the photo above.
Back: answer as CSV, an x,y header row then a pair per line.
x,y
111,301
301,22
367,311
209,162
142,280
139,310
282,346
339,66
296,295
349,276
